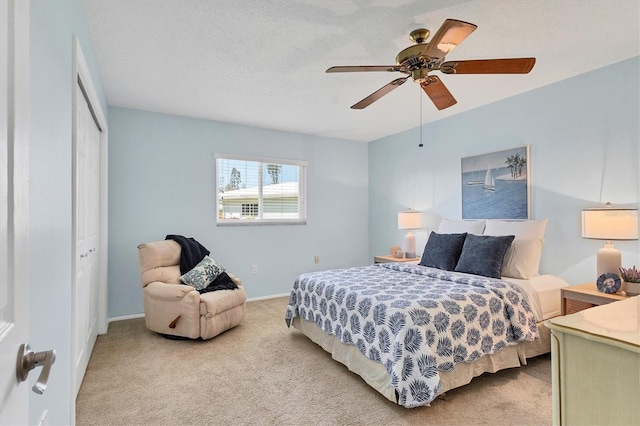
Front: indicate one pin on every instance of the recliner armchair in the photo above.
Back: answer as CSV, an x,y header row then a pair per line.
x,y
175,309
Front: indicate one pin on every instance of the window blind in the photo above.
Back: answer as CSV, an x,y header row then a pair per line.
x,y
253,190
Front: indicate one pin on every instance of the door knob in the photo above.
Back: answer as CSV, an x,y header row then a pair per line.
x,y
28,360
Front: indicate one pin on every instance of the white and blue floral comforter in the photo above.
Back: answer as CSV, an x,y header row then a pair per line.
x,y
414,320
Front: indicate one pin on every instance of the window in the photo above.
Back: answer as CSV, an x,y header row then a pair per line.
x,y
252,190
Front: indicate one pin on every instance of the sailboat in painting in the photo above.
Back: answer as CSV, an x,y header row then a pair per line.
x,y
489,182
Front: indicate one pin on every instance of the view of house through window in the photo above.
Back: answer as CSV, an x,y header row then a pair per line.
x,y
260,190
249,210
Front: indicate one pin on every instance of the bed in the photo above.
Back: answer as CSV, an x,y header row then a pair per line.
x,y
415,331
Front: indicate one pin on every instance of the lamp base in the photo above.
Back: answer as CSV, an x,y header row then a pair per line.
x,y
609,260
410,245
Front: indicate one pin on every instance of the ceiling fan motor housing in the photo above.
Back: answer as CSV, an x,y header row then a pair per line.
x,y
412,59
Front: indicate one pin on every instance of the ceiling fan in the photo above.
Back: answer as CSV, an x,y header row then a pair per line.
x,y
419,60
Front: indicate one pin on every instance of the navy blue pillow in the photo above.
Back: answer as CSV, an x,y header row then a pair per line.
x,y
442,251
483,255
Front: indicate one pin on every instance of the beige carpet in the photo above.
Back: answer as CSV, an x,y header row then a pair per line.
x,y
261,372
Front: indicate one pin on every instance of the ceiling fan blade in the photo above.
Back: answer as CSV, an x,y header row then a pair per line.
x,y
367,68
379,93
449,35
438,92
489,66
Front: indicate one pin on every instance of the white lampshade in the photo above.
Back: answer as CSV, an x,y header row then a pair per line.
x,y
608,224
410,219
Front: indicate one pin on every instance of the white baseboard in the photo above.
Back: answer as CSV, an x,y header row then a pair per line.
x,y
273,296
125,317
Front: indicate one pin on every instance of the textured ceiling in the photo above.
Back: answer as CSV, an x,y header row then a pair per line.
x,y
262,63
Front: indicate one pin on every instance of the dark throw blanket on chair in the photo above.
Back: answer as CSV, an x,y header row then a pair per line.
x,y
191,253
222,282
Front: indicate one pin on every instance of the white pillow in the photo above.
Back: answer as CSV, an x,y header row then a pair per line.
x,y
521,229
522,259
461,226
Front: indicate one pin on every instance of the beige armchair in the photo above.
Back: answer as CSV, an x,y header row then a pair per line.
x,y
174,309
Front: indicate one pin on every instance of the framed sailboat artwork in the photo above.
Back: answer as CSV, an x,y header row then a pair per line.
x,y
496,185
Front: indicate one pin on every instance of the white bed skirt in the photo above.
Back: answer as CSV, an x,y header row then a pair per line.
x,y
377,377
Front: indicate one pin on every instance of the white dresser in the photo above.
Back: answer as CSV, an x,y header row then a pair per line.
x,y
595,365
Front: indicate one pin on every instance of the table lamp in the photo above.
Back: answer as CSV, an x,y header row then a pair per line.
x,y
409,220
609,223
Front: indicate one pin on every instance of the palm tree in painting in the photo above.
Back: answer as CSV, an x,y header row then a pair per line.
x,y
521,163
511,163
516,164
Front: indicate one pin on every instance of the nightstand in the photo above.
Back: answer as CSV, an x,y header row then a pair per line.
x,y
579,297
595,365
389,259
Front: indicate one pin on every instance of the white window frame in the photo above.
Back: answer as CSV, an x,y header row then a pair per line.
x,y
302,191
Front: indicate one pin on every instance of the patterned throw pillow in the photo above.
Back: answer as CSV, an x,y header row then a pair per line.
x,y
202,274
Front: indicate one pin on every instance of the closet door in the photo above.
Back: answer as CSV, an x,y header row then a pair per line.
x,y
87,234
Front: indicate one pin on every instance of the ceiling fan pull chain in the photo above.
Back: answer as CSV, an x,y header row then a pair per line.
x,y
420,94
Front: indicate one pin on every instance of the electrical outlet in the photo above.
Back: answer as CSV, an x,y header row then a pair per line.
x,y
316,259
254,269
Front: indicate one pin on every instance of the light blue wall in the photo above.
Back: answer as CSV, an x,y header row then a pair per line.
x,y
162,181
53,24
584,147
584,137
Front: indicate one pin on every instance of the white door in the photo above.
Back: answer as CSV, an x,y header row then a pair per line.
x,y
87,234
14,197
89,287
